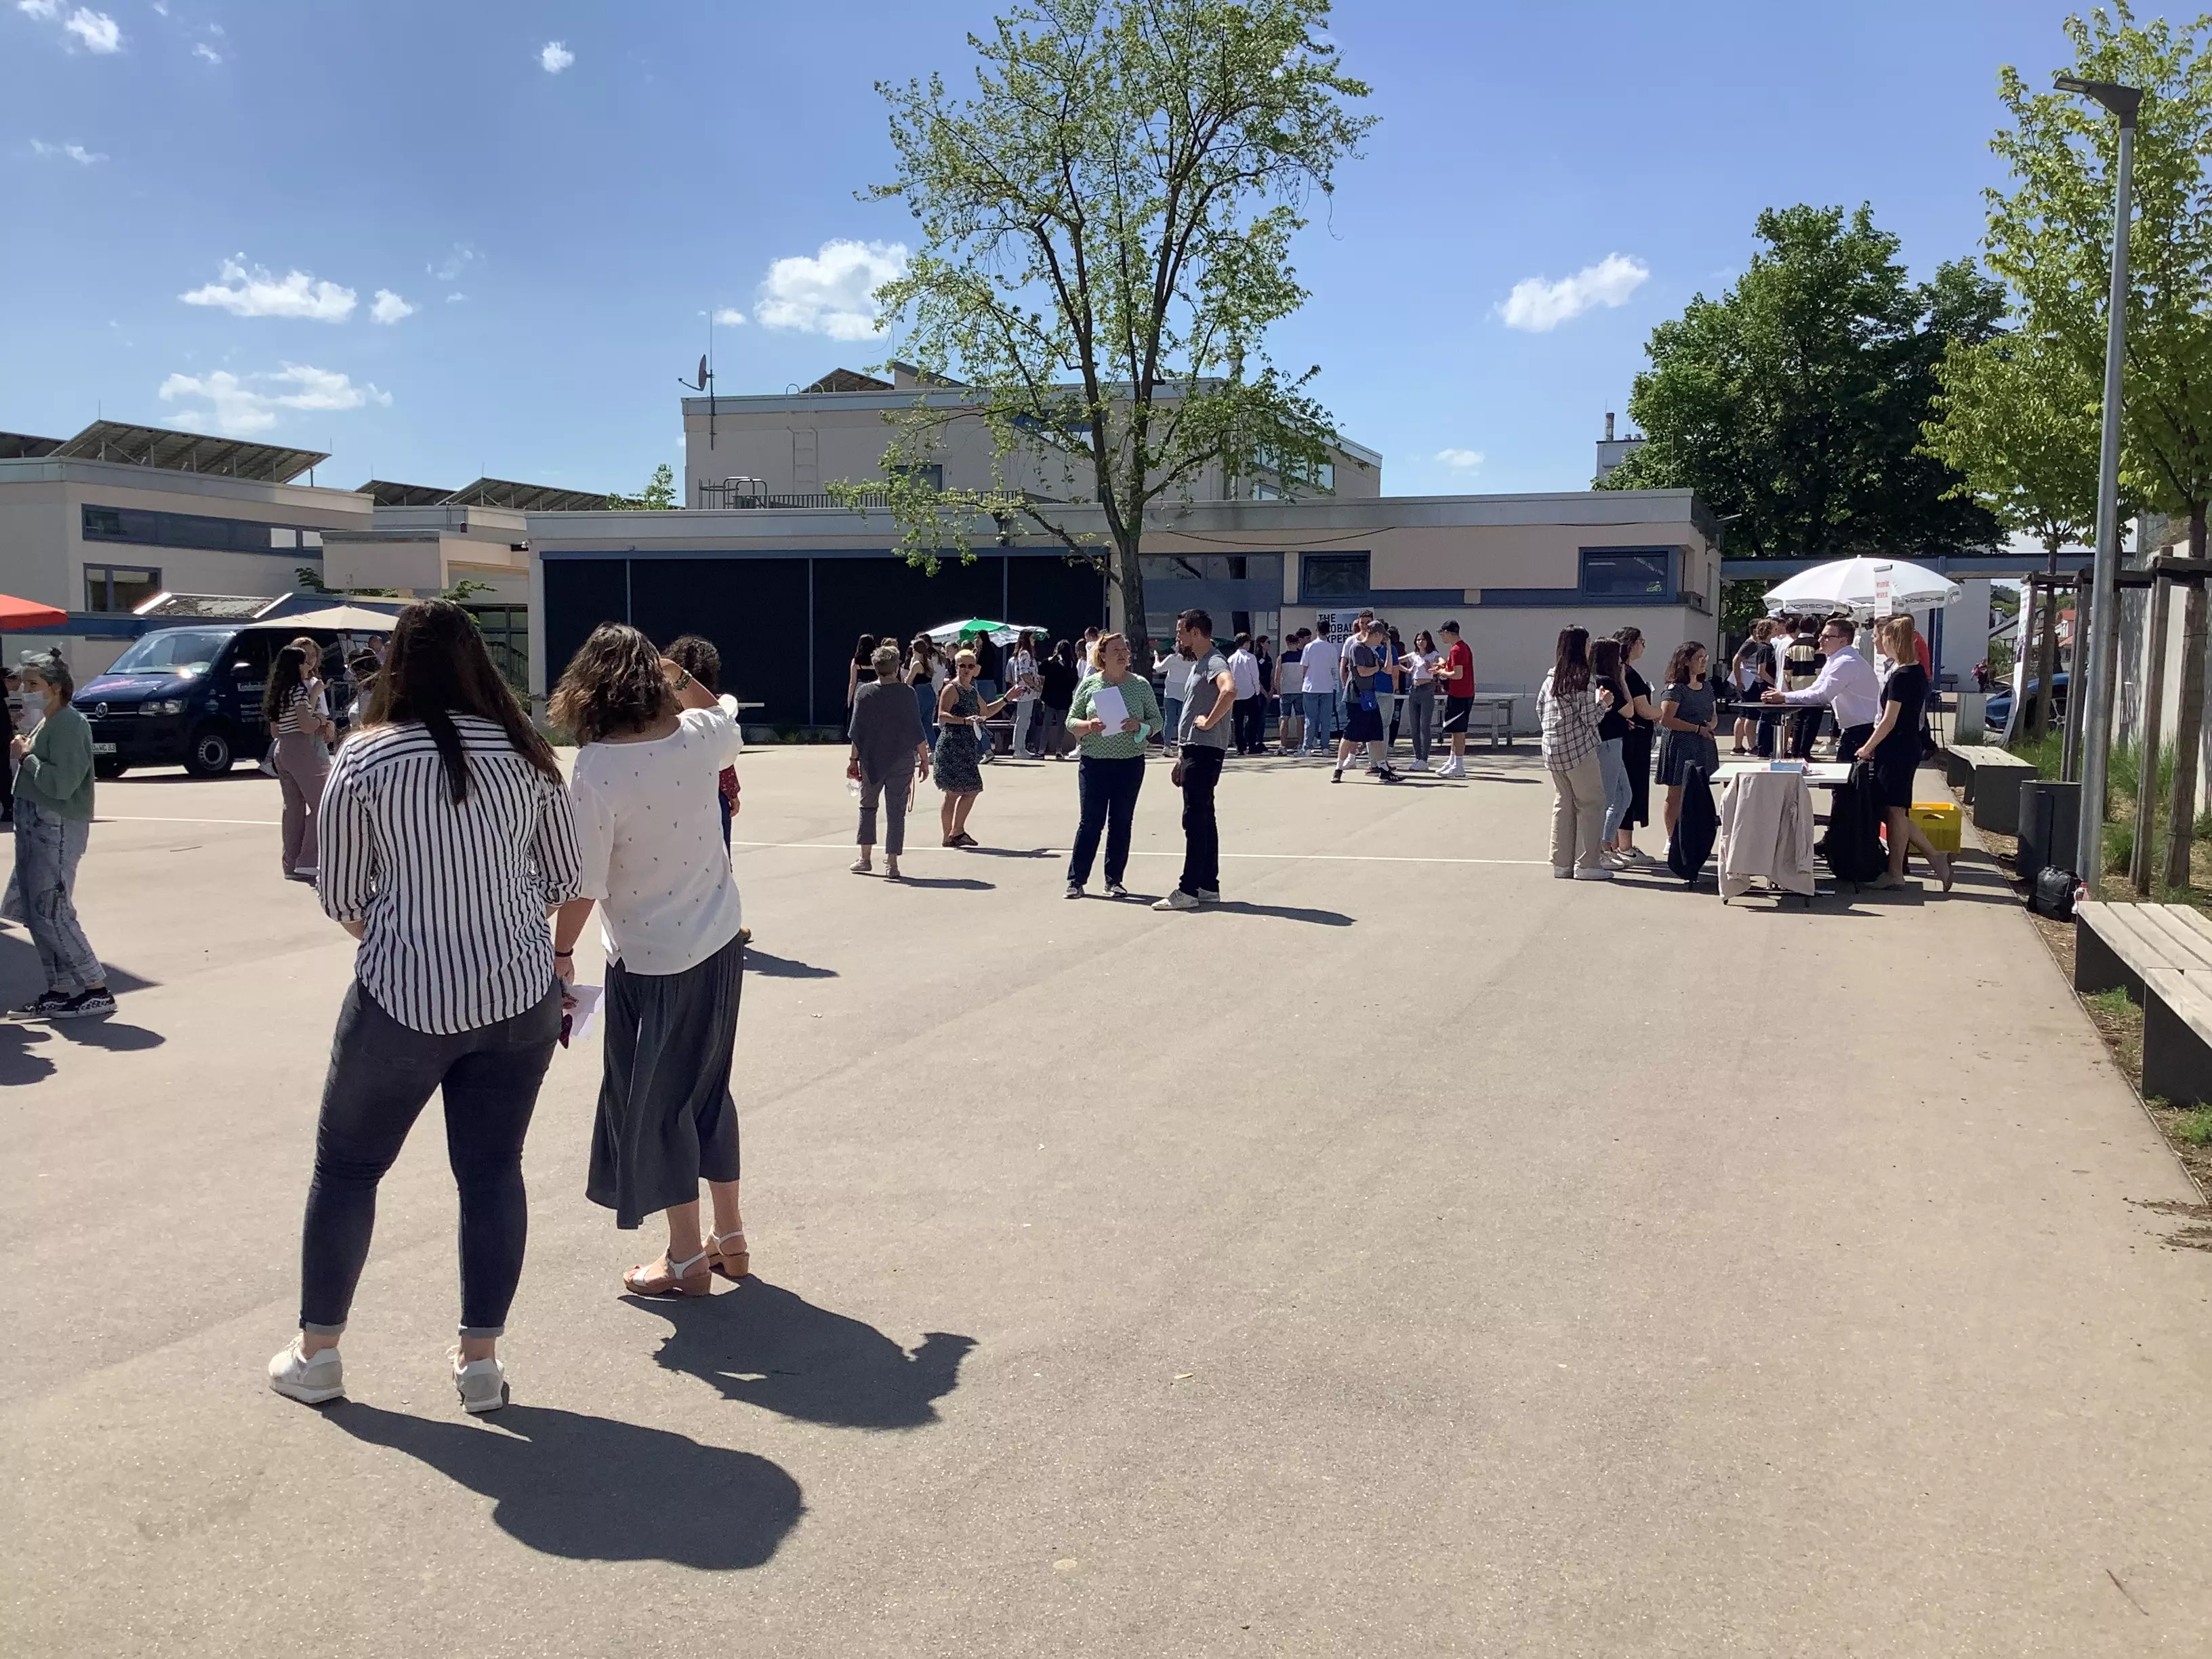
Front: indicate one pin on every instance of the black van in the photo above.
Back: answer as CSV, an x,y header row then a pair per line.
x,y
190,697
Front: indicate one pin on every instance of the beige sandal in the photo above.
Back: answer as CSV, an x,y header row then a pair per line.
x,y
681,1278
730,1263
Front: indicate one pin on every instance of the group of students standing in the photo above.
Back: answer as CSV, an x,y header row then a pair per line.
x,y
1598,719
453,849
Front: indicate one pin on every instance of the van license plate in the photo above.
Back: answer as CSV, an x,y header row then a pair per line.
x,y
103,749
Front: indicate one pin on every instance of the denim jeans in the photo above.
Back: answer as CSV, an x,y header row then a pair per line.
x,y
1201,835
1108,789
1619,791
382,1074
1322,722
1173,713
1421,705
47,850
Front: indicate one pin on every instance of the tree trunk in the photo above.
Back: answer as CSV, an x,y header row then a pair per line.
x,y
2046,649
2154,710
1129,577
2189,719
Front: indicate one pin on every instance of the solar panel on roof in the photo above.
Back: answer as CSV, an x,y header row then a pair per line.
x,y
188,452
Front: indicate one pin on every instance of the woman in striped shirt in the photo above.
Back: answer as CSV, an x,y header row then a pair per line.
x,y
447,837
300,729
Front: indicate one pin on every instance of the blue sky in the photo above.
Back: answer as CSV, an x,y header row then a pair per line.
x,y
553,195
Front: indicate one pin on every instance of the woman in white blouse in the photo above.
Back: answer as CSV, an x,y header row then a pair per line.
x,y
447,836
653,741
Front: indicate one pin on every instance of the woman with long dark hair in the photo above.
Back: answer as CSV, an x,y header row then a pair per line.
x,y
1567,714
447,837
926,672
861,669
1420,699
1612,736
1687,715
652,741
1635,747
300,729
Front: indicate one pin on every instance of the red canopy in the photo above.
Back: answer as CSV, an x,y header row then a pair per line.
x,y
27,613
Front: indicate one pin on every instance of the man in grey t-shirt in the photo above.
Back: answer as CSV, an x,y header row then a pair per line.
x,y
1203,733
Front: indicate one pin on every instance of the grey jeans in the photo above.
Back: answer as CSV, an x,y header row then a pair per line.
x,y
301,764
47,848
894,789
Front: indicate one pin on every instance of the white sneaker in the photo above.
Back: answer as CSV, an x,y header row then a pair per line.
x,y
1418,766
482,1383
1613,860
1596,872
1451,770
1562,872
1209,895
310,1381
1177,900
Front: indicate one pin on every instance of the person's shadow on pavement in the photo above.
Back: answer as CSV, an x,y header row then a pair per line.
x,y
767,1347
591,1488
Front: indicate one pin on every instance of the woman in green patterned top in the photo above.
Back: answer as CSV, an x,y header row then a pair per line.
x,y
1112,768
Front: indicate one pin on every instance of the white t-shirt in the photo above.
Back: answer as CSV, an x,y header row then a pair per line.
x,y
729,706
1425,665
652,843
1320,657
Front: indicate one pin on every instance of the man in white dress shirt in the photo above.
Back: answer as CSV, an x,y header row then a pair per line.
x,y
1847,684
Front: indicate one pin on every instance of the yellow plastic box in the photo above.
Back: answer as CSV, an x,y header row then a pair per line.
x,y
1939,822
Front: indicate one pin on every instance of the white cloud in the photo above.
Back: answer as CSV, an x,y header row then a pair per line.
x,y
255,293
1464,459
833,293
239,405
1538,306
389,307
207,53
729,316
41,9
454,264
96,29
76,152
456,299
555,56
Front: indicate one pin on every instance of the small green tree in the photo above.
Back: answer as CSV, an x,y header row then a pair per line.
x,y
1105,231
1793,405
2016,420
659,495
2051,238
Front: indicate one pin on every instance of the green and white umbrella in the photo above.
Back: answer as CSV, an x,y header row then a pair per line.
x,y
976,627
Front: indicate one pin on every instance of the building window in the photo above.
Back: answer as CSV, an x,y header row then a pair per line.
x,y
931,476
1214,567
1621,573
140,528
119,587
1331,575
505,630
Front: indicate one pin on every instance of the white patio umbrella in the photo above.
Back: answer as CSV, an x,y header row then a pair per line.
x,y
1863,583
997,632
341,619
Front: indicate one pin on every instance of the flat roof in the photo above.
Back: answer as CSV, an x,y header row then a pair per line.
x,y
187,451
21,445
384,493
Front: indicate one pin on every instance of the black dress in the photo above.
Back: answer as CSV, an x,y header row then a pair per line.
x,y
1898,757
1636,755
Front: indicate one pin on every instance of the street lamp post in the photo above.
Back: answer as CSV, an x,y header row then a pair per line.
x,y
2097,693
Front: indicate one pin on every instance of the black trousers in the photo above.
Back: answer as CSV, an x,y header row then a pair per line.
x,y
1250,730
382,1074
1804,727
1851,740
1108,790
1201,835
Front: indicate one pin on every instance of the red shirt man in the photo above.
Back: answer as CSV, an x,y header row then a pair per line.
x,y
1455,678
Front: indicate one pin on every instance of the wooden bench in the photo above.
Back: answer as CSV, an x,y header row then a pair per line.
x,y
1991,778
2161,955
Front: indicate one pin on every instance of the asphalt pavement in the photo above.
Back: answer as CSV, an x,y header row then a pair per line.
x,y
1414,1254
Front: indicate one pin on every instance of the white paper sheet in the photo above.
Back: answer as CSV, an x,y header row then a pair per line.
x,y
1106,704
581,1004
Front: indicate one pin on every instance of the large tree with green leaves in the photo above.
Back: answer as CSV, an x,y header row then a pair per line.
x,y
1105,230
1793,405
2050,237
2016,419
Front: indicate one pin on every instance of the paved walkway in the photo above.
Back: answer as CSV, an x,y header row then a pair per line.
x,y
1418,1255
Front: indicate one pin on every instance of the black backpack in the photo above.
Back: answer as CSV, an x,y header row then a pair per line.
x,y
1853,847
1696,828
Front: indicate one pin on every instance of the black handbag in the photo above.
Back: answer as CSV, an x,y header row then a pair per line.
x,y
2054,893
